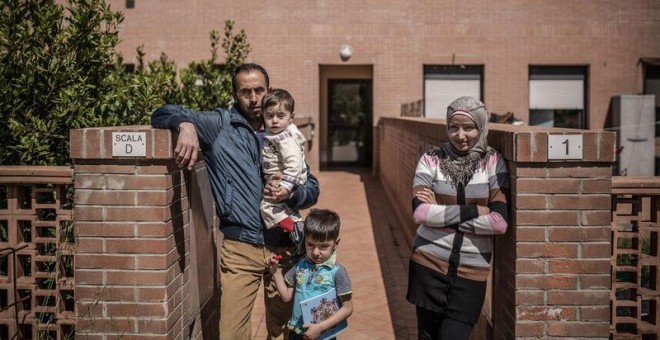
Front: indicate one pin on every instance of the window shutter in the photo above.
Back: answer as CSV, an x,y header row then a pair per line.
x,y
439,93
556,94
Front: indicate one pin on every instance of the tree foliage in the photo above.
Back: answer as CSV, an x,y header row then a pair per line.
x,y
61,70
208,84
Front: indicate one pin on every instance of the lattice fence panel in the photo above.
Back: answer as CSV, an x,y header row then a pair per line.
x,y
635,266
36,257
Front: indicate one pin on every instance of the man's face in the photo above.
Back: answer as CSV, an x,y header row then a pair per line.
x,y
250,89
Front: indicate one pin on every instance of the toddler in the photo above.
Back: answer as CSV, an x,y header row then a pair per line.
x,y
283,152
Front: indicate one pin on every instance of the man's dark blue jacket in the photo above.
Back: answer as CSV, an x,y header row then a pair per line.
x,y
232,152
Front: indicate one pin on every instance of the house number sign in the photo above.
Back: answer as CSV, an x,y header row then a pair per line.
x,y
129,144
564,147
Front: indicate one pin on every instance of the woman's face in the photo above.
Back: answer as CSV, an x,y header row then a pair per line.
x,y
463,132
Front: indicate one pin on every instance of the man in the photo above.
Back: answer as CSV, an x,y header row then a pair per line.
x,y
230,140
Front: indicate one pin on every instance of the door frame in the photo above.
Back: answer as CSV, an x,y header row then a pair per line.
x,y
326,74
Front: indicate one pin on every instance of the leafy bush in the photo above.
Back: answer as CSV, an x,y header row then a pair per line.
x,y
206,84
61,70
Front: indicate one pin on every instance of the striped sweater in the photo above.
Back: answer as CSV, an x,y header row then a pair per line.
x,y
457,210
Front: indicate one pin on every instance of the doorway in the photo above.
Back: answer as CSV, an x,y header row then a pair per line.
x,y
349,122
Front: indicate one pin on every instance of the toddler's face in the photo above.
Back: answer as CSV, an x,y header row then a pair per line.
x,y
319,251
277,118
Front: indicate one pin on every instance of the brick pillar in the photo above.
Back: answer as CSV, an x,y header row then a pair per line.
x,y
132,262
552,269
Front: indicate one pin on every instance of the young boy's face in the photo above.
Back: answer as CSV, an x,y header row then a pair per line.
x,y
319,251
277,118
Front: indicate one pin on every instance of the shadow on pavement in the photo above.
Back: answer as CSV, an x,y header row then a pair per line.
x,y
393,253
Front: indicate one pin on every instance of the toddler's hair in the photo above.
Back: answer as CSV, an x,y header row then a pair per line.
x,y
322,225
276,97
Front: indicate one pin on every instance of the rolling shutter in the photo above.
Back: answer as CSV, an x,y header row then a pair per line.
x,y
440,91
556,92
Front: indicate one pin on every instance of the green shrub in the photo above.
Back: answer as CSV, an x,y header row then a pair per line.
x,y
61,70
206,84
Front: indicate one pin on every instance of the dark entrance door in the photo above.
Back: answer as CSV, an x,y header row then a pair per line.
x,y
349,122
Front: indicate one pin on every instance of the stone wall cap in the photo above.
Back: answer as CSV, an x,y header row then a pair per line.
x,y
96,142
525,143
635,182
36,174
121,128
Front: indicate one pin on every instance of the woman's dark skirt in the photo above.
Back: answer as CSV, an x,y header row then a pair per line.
x,y
456,297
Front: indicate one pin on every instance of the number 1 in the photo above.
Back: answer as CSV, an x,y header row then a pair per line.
x,y
566,142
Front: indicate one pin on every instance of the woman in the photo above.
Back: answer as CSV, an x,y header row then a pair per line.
x,y
460,202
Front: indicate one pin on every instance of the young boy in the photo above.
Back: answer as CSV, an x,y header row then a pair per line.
x,y
315,274
283,152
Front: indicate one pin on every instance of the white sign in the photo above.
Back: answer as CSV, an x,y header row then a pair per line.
x,y
564,147
129,144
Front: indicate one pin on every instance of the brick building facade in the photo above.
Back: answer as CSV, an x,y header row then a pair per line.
x,y
399,49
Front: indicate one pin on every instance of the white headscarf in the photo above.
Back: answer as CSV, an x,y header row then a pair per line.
x,y
476,110
457,165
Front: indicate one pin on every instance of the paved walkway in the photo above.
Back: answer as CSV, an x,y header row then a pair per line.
x,y
375,254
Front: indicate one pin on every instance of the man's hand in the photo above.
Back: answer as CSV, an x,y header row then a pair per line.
x,y
187,146
274,192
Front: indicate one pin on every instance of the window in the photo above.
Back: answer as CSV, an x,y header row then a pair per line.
x,y
202,74
444,83
557,96
129,68
130,3
652,86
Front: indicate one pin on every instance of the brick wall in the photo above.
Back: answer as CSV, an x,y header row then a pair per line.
x,y
136,253
294,40
551,270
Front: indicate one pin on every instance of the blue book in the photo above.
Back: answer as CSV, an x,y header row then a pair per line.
x,y
321,307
